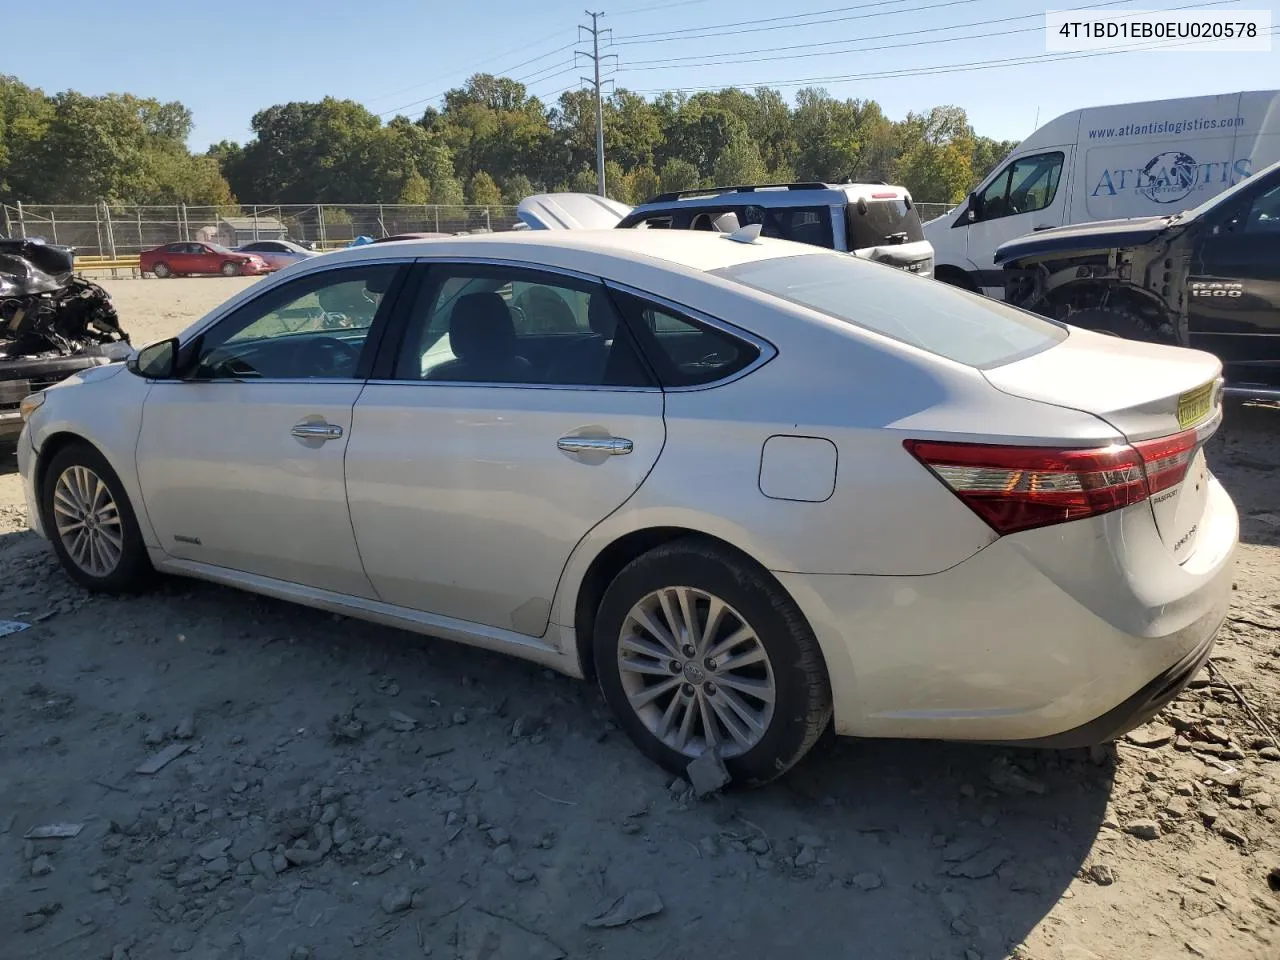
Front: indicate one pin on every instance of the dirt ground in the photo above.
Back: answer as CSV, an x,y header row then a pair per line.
x,y
346,790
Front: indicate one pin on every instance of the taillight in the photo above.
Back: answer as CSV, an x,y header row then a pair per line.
x,y
1018,488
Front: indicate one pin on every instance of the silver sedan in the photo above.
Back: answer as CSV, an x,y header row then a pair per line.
x,y
752,488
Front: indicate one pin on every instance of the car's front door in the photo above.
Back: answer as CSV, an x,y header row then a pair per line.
x,y
515,417
1027,195
178,257
1233,285
241,461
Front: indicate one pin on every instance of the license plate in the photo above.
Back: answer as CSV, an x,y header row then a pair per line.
x,y
1194,406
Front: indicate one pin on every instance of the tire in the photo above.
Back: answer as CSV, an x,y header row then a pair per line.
x,y
1117,323
956,278
670,729
74,470
161,270
230,269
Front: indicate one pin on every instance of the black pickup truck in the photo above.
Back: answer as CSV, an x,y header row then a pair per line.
x,y
1206,278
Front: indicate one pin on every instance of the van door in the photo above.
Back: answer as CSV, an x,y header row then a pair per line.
x,y
1028,194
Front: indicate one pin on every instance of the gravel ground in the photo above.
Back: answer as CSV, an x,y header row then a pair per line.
x,y
342,790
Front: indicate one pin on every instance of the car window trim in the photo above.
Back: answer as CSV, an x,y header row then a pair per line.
x,y
765,351
377,330
383,373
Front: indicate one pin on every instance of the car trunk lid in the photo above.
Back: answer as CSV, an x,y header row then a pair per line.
x,y
1166,401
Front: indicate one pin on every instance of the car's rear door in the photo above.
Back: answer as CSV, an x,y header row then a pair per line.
x,y
515,415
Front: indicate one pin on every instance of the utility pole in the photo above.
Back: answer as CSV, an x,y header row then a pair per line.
x,y
596,33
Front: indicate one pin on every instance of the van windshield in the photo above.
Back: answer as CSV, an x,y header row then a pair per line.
x,y
944,320
884,222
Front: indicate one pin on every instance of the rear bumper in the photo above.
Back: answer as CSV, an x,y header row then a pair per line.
x,y
1061,636
1137,709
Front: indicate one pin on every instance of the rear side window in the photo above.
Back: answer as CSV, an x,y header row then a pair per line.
x,y
884,222
684,352
933,316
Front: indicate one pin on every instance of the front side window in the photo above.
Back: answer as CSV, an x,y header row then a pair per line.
x,y
313,327
941,319
1025,186
1264,213
482,324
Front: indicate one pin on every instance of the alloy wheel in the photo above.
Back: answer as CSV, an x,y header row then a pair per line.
x,y
696,673
88,521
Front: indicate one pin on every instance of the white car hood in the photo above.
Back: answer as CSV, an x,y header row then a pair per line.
x,y
570,211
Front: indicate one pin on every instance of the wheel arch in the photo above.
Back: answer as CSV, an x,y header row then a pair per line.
x,y
609,561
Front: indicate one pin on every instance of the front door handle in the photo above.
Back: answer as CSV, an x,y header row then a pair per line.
x,y
316,431
613,446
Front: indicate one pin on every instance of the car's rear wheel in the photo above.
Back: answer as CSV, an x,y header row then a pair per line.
x,y
230,269
90,522
161,270
697,648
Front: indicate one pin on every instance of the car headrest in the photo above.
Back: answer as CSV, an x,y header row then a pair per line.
x,y
601,316
481,326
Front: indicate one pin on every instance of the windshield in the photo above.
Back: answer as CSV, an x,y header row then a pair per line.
x,y
944,320
882,222
217,248
1225,196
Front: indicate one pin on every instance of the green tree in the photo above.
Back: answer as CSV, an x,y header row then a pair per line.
x,y
483,191
642,183
678,174
516,188
740,162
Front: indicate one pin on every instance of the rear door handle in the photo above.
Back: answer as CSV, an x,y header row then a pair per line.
x,y
613,446
316,431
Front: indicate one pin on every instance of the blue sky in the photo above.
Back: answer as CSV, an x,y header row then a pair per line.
x,y
225,63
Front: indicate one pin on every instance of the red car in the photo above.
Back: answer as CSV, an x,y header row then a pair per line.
x,y
182,259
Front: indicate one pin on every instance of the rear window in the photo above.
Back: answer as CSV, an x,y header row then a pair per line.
x,y
884,222
944,320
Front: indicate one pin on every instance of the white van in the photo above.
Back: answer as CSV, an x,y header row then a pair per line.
x,y
1106,163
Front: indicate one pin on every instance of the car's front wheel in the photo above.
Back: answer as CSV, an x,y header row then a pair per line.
x,y
697,648
230,269
91,523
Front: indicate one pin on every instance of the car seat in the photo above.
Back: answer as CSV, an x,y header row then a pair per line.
x,y
482,337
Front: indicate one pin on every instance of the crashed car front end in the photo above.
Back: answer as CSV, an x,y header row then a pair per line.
x,y
53,324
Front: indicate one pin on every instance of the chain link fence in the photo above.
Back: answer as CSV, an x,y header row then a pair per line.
x,y
111,230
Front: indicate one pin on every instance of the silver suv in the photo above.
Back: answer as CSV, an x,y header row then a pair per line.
x,y
875,221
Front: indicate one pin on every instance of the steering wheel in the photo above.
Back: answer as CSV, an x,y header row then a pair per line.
x,y
325,357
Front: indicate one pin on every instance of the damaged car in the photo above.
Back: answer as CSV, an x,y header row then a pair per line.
x,y
1206,278
53,324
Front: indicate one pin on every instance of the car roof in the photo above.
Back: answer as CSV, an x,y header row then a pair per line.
x,y
588,249
773,195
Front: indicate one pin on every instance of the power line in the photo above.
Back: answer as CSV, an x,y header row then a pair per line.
x,y
630,11
445,76
776,23
880,36
936,69
437,96
705,61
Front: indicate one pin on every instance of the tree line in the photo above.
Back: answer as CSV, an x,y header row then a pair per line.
x,y
489,143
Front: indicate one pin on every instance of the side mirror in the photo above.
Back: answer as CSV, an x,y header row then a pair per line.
x,y
157,361
974,213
